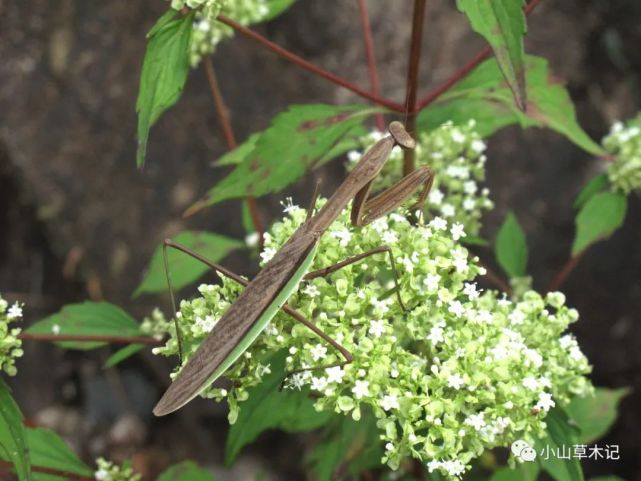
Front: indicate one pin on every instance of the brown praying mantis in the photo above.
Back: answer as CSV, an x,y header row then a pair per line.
x,y
268,292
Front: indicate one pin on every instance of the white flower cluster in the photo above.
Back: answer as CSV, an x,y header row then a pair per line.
x,y
10,344
208,33
156,325
108,471
461,371
624,143
455,153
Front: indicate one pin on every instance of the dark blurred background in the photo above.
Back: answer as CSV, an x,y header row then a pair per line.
x,y
79,221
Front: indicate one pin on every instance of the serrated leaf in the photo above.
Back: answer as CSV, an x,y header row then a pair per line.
x,y
269,407
599,217
561,437
48,450
347,442
87,319
484,97
237,155
122,354
185,269
596,185
164,73
13,443
296,141
502,23
185,471
511,247
595,415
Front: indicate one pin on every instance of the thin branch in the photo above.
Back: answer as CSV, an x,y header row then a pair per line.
x,y
52,471
558,280
287,55
412,79
230,138
27,336
374,81
461,73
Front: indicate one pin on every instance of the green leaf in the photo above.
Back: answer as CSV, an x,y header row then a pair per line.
x,y
13,445
601,215
122,354
183,268
561,437
87,319
511,247
347,442
164,73
276,7
185,471
474,240
527,471
269,407
237,155
296,141
502,23
596,185
49,450
595,415
484,97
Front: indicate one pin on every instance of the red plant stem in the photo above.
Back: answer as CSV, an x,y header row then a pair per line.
x,y
26,336
230,138
412,79
374,81
565,271
287,55
461,73
52,471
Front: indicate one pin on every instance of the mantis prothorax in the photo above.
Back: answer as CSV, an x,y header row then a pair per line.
x,y
268,292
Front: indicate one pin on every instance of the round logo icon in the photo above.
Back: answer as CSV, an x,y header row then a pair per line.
x,y
523,451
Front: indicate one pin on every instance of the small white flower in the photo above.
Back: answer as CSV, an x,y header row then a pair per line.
x,y
470,290
389,237
448,210
436,335
311,290
456,308
476,421
576,354
460,264
354,155
361,389
470,187
469,204
377,328
517,317
478,146
530,383
389,402
14,312
343,236
457,136
457,231
335,374
318,383
431,282
433,464
296,381
263,369
455,381
545,402
288,205
251,240
454,467
101,474
318,352
438,223
484,316
55,329
436,197
267,254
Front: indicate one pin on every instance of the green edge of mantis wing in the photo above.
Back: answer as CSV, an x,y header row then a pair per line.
x,y
262,322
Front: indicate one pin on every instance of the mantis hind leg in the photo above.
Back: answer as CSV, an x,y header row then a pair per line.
x,y
351,260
